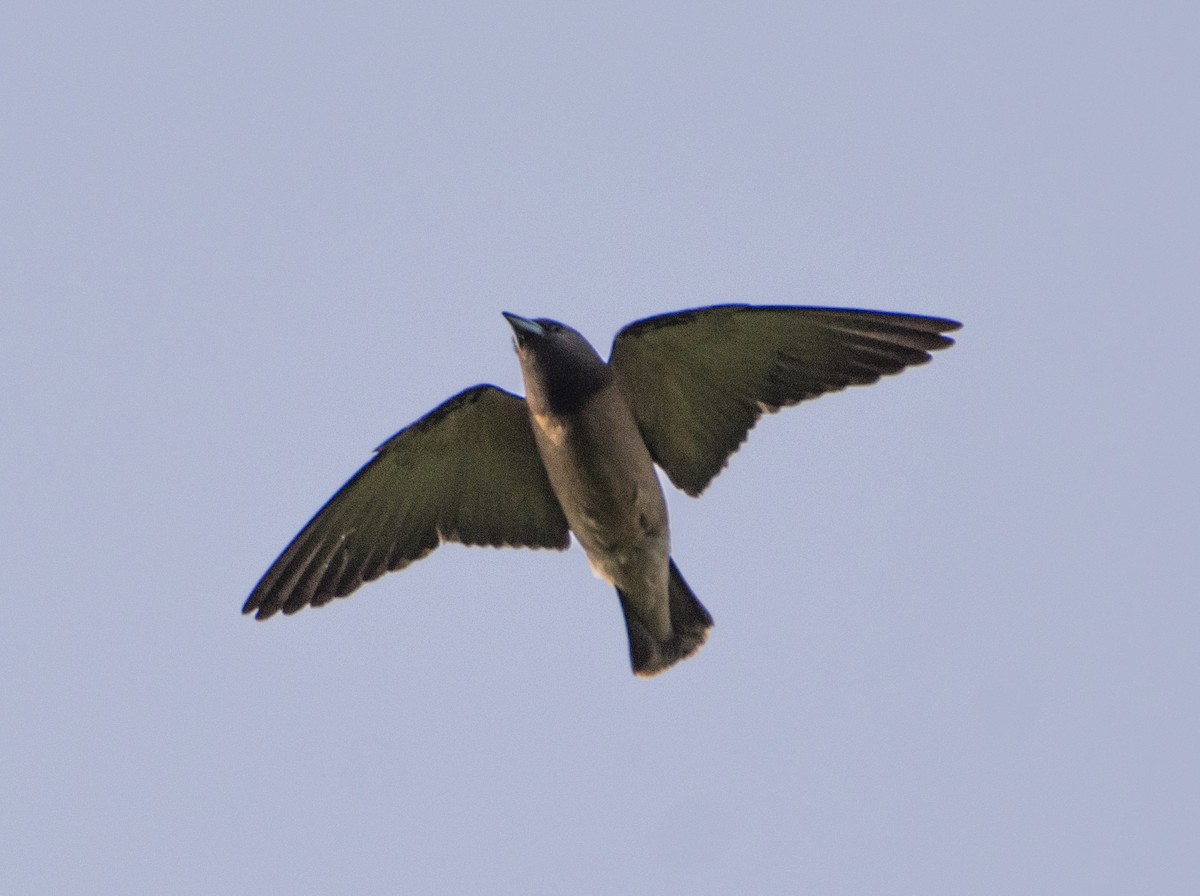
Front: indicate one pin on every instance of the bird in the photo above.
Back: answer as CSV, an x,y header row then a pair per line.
x,y
577,454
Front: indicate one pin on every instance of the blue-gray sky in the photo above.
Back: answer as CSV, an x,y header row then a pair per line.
x,y
957,625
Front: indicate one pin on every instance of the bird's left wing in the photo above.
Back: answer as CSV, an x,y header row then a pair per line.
x,y
468,472
697,381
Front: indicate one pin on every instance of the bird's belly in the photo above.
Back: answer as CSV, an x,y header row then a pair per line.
x,y
613,502
624,552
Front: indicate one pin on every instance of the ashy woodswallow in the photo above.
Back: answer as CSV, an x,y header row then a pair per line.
x,y
577,454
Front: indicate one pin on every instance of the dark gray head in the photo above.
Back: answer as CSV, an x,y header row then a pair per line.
x,y
560,368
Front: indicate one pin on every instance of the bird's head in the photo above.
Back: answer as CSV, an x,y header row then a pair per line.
x,y
560,368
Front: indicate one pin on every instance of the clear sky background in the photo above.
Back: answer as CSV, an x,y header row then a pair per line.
x,y
958,637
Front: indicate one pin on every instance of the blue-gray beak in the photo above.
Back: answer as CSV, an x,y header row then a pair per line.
x,y
523,326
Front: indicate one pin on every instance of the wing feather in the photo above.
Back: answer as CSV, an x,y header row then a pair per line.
x,y
467,472
699,380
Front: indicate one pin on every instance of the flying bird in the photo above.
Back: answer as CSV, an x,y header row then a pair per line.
x,y
576,455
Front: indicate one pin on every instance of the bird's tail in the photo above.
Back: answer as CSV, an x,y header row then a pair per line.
x,y
690,623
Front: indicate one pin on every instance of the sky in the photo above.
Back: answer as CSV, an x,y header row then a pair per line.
x,y
956,612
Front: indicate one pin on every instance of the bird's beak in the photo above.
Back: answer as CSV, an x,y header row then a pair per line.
x,y
523,326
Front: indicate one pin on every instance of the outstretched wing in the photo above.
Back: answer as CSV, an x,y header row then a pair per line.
x,y
468,471
697,381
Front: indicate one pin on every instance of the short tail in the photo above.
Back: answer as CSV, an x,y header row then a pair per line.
x,y
690,623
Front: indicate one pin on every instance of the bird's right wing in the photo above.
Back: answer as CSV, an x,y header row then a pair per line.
x,y
697,381
468,471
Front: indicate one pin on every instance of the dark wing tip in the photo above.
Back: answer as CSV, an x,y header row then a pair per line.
x,y
259,606
933,328
266,599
